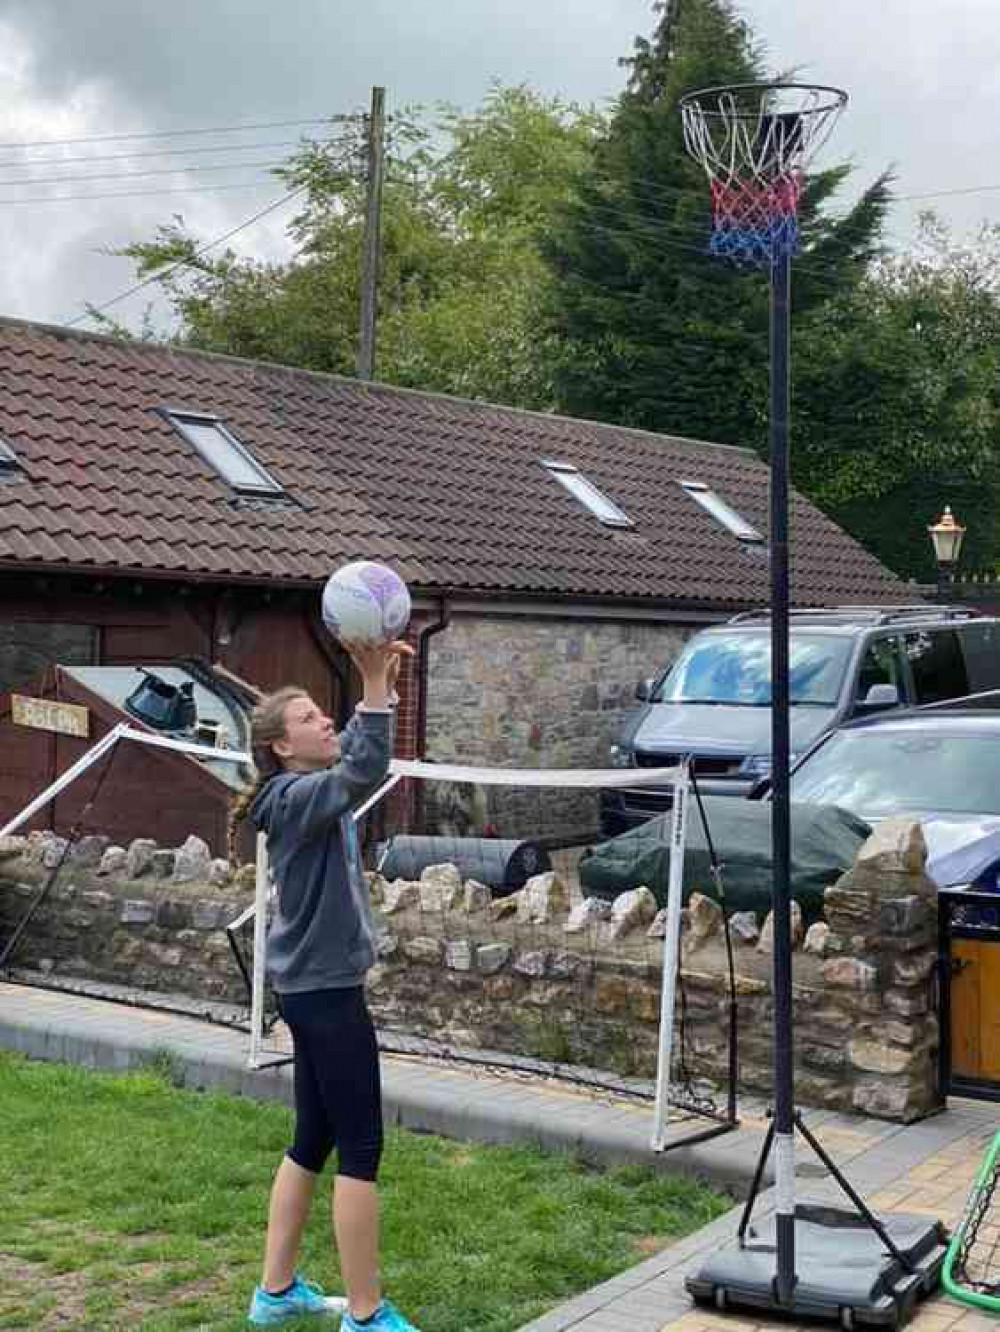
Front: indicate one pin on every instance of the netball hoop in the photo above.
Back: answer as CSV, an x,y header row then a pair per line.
x,y
754,142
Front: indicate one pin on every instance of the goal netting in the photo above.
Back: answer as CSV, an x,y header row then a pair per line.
x,y
490,949
491,952
971,1270
55,871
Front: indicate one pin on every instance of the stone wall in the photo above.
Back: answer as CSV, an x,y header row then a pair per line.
x,y
584,986
147,917
517,692
535,974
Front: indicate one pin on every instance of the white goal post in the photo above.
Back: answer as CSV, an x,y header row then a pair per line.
x,y
675,778
120,732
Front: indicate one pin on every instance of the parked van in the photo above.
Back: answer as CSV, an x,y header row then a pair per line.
x,y
713,703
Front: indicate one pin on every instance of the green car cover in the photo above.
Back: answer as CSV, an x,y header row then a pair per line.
x,y
825,841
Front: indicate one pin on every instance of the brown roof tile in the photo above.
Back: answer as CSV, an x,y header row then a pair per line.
x,y
451,492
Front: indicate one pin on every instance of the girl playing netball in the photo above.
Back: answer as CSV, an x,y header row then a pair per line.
x,y
320,945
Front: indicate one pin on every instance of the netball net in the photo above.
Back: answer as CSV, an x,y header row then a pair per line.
x,y
491,952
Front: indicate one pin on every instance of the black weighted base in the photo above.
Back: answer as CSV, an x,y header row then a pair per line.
x,y
844,1271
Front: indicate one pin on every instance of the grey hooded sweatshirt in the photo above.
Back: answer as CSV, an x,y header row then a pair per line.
x,y
321,935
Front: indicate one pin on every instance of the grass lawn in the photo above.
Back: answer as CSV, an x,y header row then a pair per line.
x,y
127,1203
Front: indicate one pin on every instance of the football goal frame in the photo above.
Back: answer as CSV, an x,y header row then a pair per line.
x,y
676,780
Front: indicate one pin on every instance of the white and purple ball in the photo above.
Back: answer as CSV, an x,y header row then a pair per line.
x,y
365,602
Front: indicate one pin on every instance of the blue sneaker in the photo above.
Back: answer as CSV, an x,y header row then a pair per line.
x,y
304,1298
386,1318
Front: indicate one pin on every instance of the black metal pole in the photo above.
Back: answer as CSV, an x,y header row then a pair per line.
x,y
758,1175
784,1108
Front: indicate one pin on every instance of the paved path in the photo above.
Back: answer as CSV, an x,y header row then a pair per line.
x,y
925,1167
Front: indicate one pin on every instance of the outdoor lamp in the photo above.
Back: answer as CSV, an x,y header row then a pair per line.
x,y
946,534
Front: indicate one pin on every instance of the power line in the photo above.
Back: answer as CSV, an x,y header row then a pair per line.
x,y
946,194
667,237
136,175
342,165
695,234
653,187
358,118
162,274
689,339
656,226
17,163
662,223
184,133
135,194
160,171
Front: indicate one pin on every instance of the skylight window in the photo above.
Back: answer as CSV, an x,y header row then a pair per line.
x,y
587,494
224,453
8,458
722,512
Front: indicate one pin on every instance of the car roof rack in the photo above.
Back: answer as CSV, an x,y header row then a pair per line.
x,y
875,615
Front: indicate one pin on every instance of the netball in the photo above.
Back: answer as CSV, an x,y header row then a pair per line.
x,y
366,602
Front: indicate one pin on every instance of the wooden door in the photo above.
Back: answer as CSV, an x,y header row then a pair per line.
x,y
975,1009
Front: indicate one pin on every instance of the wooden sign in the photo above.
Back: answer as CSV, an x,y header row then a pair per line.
x,y
46,714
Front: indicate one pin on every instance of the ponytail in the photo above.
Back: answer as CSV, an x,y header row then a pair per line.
x,y
267,724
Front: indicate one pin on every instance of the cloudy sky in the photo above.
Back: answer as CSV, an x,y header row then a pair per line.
x,y
127,76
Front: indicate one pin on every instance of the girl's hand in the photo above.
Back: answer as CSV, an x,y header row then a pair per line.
x,y
378,664
402,650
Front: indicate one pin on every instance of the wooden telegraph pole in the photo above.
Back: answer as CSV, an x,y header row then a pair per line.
x,y
370,244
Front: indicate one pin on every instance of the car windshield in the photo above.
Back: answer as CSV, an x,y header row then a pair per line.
x,y
736,669
876,774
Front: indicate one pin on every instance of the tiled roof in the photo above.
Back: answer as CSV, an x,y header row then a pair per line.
x,y
450,492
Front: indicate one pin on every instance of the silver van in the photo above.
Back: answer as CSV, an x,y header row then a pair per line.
x,y
713,703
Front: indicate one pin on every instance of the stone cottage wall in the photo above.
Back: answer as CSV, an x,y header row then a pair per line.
x,y
535,974
517,692
511,692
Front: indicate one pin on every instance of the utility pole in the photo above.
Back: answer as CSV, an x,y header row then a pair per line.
x,y
370,243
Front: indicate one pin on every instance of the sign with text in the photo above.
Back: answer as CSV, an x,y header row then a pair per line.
x,y
46,714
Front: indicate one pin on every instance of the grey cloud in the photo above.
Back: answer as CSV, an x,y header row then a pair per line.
x,y
253,59
924,86
194,63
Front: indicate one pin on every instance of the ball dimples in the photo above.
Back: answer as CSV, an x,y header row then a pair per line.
x,y
365,602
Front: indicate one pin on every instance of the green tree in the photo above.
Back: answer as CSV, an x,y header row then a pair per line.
x,y
654,332
897,400
465,198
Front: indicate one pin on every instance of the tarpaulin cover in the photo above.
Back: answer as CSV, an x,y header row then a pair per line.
x,y
825,841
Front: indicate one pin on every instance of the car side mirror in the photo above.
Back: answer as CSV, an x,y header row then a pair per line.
x,y
880,696
644,690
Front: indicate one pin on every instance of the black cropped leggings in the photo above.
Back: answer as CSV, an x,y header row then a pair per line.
x,y
338,1092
